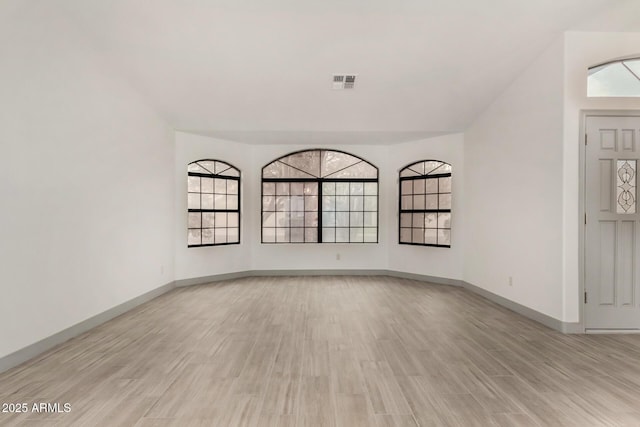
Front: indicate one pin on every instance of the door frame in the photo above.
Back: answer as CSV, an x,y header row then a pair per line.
x,y
584,115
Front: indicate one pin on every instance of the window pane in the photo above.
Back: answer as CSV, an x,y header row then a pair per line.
x,y
268,188
297,219
282,188
329,203
282,203
311,235
233,219
357,188
445,201
233,235
444,237
342,188
342,235
356,235
418,236
311,188
280,170
193,201
405,220
268,219
445,185
431,201
418,220
357,219
220,201
311,219
220,219
194,220
626,187
305,161
371,188
342,203
342,219
206,185
207,201
232,202
282,219
220,235
269,235
359,170
406,187
297,203
297,235
311,203
297,188
407,202
333,161
431,186
282,235
208,220
232,186
329,235
193,237
371,219
328,219
268,203
405,235
430,220
193,184
419,186
370,203
371,234
418,202
444,220
328,188
207,237
357,203
613,80
430,236
220,186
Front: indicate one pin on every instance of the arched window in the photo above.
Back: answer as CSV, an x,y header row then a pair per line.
x,y
425,204
319,196
615,78
213,201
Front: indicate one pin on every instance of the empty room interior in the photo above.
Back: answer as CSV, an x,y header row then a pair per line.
x,y
319,213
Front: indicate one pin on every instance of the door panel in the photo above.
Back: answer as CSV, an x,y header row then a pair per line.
x,y
611,231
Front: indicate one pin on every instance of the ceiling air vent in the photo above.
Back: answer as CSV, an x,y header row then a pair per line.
x,y
344,81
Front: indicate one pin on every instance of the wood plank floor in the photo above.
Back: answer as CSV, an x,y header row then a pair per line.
x,y
325,351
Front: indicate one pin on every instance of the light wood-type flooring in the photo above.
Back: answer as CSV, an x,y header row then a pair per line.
x,y
323,351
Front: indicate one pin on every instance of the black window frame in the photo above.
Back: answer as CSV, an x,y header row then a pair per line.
x,y
215,176
320,181
401,211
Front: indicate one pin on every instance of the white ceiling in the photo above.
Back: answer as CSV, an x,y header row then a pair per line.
x,y
260,70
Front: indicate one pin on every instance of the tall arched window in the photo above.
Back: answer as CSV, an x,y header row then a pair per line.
x,y
213,200
620,78
425,204
319,196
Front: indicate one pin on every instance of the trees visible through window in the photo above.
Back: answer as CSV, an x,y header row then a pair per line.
x,y
319,196
213,201
425,204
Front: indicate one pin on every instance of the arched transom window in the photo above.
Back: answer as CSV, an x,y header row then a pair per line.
x,y
213,200
319,196
616,78
425,204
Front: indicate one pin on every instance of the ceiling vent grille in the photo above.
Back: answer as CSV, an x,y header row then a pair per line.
x,y
344,81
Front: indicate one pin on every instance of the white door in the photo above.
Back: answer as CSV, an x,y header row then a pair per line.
x,y
612,230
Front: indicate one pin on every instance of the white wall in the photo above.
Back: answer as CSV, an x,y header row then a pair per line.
x,y
86,174
252,255
513,189
583,50
430,261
